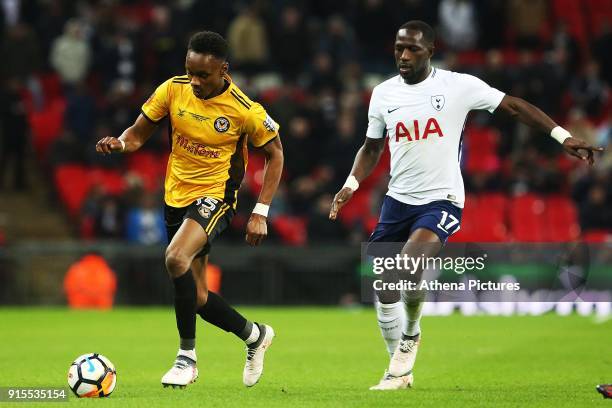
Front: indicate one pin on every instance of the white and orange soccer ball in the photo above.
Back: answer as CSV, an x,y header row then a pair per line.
x,y
92,376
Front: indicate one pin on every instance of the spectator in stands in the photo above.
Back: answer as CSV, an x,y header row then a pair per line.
x,y
20,53
351,76
526,19
163,42
578,124
588,89
71,54
327,63
81,113
291,30
565,46
594,211
66,149
604,139
89,156
338,41
248,40
323,74
495,72
106,213
527,81
458,24
145,223
374,44
300,147
118,58
120,109
319,228
601,51
286,104
492,25
49,24
14,132
343,141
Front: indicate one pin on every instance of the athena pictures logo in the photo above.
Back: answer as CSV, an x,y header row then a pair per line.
x,y
222,124
437,101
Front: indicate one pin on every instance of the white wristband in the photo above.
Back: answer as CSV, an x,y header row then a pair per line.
x,y
351,182
261,209
560,134
122,144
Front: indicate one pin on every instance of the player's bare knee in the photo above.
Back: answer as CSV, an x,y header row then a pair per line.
x,y
202,297
177,262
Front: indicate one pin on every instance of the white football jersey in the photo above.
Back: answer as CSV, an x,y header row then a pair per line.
x,y
424,123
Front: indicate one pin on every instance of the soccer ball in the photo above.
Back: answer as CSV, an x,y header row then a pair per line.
x,y
92,376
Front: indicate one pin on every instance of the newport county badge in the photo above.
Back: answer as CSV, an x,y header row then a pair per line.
x,y
204,212
222,124
437,101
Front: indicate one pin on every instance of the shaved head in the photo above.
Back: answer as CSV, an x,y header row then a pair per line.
x,y
427,34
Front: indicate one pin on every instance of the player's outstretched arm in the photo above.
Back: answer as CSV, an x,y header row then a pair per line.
x,y
534,117
130,140
366,159
257,228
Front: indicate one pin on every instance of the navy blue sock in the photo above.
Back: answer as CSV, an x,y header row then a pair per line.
x,y
185,298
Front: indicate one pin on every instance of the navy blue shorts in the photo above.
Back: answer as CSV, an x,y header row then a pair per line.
x,y
398,220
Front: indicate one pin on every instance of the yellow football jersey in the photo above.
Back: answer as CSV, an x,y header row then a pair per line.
x,y
209,139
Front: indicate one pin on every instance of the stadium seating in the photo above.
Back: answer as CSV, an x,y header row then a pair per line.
x,y
597,236
598,12
291,229
147,166
571,12
481,149
47,125
72,185
483,219
526,219
560,219
73,182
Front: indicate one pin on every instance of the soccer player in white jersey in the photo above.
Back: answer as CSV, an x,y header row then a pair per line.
x,y
423,110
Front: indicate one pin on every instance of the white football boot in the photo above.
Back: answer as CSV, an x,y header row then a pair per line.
x,y
183,372
253,367
389,382
403,358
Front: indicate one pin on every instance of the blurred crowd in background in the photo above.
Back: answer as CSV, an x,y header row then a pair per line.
x,y
75,71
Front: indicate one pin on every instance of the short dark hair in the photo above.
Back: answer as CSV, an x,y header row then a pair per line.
x,y
208,42
417,25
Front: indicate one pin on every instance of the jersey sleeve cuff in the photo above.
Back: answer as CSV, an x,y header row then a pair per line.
x,y
375,135
262,145
500,97
149,119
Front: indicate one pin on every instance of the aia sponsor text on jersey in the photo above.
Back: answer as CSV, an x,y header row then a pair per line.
x,y
431,128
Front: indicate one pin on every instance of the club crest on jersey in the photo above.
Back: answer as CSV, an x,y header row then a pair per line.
x,y
222,124
437,101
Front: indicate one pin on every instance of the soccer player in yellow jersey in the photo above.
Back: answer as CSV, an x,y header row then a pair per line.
x,y
212,121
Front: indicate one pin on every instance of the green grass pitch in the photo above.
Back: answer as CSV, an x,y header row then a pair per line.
x,y
320,357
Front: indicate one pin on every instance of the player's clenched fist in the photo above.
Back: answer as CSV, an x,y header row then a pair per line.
x,y
257,229
339,200
109,145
